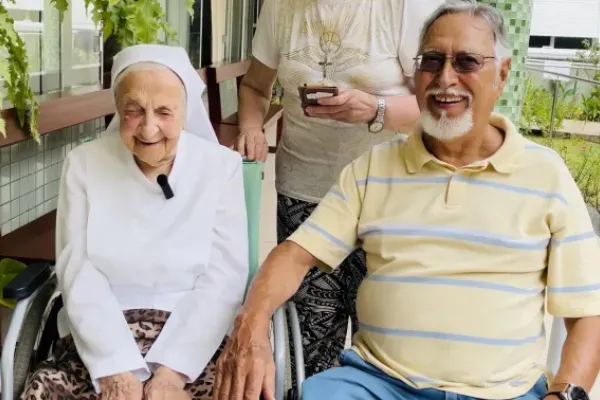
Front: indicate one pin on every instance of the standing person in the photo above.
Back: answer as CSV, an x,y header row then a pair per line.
x,y
365,48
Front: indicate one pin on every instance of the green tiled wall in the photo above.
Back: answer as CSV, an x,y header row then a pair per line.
x,y
517,14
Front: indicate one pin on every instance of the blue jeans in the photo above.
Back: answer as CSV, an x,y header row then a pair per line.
x,y
357,379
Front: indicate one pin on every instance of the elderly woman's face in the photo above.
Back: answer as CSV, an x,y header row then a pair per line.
x,y
151,105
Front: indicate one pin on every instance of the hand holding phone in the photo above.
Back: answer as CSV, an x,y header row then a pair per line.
x,y
310,95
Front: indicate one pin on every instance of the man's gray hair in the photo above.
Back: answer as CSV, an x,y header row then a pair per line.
x,y
490,14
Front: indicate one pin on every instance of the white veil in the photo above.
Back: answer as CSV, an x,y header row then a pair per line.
x,y
177,60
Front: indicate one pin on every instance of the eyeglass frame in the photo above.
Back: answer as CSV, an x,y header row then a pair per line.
x,y
418,59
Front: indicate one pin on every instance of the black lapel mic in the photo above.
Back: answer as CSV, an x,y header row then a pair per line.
x,y
163,182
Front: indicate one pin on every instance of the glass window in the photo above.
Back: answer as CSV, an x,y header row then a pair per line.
x,y
539,41
197,31
86,49
37,22
570,43
61,56
239,24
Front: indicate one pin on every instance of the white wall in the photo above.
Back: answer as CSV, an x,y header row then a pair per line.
x,y
568,18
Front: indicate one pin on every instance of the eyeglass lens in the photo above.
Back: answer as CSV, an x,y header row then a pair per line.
x,y
434,62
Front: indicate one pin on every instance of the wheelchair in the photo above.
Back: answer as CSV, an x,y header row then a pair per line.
x,y
36,320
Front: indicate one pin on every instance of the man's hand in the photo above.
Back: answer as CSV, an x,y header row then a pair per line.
x,y
253,144
166,384
124,386
245,369
350,105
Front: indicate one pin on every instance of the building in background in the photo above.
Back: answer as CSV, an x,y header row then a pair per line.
x,y
559,27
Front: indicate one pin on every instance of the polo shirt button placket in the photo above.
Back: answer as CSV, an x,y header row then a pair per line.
x,y
456,190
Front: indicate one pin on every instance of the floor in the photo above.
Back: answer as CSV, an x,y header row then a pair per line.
x,y
268,233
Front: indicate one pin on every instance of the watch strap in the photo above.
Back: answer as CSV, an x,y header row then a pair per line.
x,y
380,114
569,392
560,395
380,110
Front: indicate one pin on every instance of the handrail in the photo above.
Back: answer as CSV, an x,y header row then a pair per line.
x,y
554,92
576,78
571,66
569,59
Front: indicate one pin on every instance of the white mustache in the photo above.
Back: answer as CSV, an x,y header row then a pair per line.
x,y
449,92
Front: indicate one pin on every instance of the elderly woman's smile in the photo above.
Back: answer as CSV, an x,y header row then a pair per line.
x,y
151,105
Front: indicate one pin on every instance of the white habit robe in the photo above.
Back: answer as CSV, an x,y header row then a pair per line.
x,y
122,245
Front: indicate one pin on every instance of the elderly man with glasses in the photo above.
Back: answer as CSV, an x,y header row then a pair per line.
x,y
469,229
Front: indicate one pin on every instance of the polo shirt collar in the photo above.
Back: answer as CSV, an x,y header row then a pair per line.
x,y
504,160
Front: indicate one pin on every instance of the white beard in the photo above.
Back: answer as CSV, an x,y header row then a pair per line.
x,y
445,128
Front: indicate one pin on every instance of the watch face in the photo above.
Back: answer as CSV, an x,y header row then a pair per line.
x,y
577,393
376,127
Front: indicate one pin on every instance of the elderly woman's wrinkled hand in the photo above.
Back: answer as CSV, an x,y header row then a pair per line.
x,y
166,384
124,386
245,369
350,105
253,144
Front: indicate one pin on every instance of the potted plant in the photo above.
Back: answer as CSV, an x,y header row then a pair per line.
x,y
129,21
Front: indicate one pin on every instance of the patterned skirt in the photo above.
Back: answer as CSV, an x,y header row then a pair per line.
x,y
64,375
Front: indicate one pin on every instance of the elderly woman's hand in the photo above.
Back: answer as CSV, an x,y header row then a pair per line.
x,y
124,386
166,384
350,105
253,144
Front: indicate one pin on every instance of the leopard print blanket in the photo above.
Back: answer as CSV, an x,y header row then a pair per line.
x,y
64,375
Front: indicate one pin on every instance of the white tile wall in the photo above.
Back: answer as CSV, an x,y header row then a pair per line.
x,y
30,173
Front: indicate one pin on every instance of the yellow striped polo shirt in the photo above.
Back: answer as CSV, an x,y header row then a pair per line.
x,y
460,261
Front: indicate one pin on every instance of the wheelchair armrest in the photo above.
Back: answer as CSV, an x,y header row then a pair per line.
x,y
27,281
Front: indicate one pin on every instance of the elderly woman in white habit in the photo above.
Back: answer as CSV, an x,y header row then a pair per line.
x,y
151,276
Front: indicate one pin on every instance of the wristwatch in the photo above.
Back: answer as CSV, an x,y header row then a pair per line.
x,y
376,125
569,392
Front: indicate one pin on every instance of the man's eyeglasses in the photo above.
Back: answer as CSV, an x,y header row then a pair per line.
x,y
434,61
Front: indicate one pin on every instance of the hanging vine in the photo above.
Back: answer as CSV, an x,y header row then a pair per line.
x,y
14,71
129,21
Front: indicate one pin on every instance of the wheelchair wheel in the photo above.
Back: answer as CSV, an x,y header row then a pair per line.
x,y
289,389
31,332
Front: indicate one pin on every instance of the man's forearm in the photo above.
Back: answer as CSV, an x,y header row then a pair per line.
x,y
277,280
580,360
401,113
252,108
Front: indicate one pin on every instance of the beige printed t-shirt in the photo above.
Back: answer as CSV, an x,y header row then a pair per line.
x,y
363,44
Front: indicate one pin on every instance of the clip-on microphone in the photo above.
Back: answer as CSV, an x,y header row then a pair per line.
x,y
163,182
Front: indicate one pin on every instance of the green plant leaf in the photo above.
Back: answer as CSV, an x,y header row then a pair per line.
x,y
107,28
189,6
62,6
14,70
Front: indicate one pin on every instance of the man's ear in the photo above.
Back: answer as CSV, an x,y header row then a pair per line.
x,y
503,72
505,68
